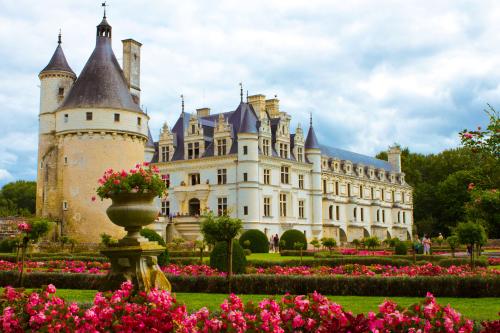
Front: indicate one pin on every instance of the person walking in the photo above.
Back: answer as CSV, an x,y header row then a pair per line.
x,y
426,242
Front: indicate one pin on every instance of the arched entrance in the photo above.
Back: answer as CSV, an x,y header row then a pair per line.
x,y
388,235
194,207
408,236
366,233
342,236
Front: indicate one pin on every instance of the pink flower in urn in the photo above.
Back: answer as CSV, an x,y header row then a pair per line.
x,y
145,163
123,173
116,181
93,198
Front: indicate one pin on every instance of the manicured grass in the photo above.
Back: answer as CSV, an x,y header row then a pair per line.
x,y
273,257
473,308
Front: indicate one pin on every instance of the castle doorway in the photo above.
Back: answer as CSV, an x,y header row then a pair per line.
x,y
194,207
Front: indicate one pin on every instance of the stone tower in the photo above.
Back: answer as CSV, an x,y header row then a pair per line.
x,y
96,124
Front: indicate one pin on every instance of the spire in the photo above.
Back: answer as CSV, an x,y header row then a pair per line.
x,y
58,61
104,6
104,29
182,103
241,92
311,140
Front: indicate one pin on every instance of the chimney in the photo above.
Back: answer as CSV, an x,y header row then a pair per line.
x,y
273,107
203,112
132,67
258,103
394,158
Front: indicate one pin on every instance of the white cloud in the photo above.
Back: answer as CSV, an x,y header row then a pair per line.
x,y
5,175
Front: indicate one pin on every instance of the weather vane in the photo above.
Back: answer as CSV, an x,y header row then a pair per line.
x,y
182,99
104,6
241,92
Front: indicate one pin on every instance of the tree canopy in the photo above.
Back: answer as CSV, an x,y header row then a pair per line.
x,y
18,198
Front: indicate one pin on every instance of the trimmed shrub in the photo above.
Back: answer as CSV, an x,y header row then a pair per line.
x,y
401,249
247,252
258,241
332,262
290,237
481,262
218,258
153,236
7,245
293,253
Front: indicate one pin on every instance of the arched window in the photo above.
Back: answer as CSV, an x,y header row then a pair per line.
x,y
399,217
354,211
378,215
330,212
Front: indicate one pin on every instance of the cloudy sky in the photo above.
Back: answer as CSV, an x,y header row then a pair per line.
x,y
371,72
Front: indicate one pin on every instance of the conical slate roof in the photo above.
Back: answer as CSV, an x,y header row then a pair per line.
x,y
244,119
151,142
311,140
101,83
58,62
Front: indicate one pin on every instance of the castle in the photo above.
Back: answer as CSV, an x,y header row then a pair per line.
x,y
245,162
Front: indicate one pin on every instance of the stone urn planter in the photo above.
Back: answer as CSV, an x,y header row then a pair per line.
x,y
134,259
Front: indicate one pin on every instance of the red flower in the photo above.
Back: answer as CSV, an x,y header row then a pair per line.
x,y
93,198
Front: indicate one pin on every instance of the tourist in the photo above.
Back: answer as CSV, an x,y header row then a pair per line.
x,y
276,243
426,242
271,243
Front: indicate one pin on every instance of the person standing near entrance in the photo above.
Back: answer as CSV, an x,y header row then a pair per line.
x,y
426,242
276,243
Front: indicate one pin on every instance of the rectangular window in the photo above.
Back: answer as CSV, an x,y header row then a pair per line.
x,y
361,192
221,147
60,93
301,181
282,204
66,117
221,176
165,208
383,216
267,176
382,196
221,206
393,196
348,190
245,150
301,209
193,129
117,117
300,154
165,153
65,160
65,205
337,213
193,150
88,115
283,150
324,186
195,178
402,197
284,175
166,180
336,188
245,210
245,176
266,147
267,206
139,121
372,193
362,214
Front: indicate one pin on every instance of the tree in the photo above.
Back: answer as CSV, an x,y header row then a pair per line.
x,y
484,141
485,205
315,243
299,246
371,242
223,229
18,198
329,243
31,231
453,242
472,234
357,243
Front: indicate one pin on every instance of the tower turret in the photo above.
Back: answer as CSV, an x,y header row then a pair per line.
x,y
56,80
313,154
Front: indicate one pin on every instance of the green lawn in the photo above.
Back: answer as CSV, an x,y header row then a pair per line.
x,y
273,257
473,308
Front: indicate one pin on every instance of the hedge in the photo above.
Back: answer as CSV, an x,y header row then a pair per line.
x,y
290,237
332,262
258,241
190,254
218,257
12,258
442,286
293,253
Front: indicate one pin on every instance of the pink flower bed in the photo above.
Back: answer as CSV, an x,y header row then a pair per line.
x,y
66,266
191,270
355,252
381,270
158,311
494,261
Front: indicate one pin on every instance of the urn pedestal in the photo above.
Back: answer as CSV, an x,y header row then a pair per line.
x,y
134,259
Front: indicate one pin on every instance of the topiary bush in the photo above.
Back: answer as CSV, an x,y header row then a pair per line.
x,y
290,237
400,249
153,236
258,241
218,257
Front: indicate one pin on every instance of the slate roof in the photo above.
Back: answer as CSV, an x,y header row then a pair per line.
x,y
58,62
101,83
355,157
311,140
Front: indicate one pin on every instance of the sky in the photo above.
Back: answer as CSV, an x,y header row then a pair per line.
x,y
372,73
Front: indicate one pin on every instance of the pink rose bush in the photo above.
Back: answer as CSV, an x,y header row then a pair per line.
x,y
192,270
158,311
364,253
65,266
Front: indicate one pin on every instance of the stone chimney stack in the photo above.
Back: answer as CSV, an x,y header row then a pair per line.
x,y
203,112
132,67
394,157
273,107
258,103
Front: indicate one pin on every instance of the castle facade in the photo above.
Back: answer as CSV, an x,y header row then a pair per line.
x,y
245,162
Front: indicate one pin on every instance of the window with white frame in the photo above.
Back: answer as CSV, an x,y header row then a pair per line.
x,y
165,208
362,214
285,175
221,147
283,150
337,213
301,181
267,176
337,188
383,216
404,217
300,154
267,206
165,153
301,209
221,206
221,176
194,178
193,150
266,147
283,204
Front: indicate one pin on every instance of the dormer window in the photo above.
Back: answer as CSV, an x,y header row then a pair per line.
x,y
283,150
300,157
193,129
336,166
221,147
193,150
165,153
266,147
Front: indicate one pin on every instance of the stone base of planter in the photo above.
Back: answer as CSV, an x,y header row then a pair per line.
x,y
137,264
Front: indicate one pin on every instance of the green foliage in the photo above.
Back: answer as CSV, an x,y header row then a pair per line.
x,y
39,228
218,257
485,205
371,242
220,228
315,243
107,240
18,198
290,237
8,245
298,246
258,241
329,243
471,233
484,141
153,236
356,242
453,242
401,248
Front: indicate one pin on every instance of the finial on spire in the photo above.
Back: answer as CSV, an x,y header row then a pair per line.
x,y
104,6
59,37
241,92
310,119
182,102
